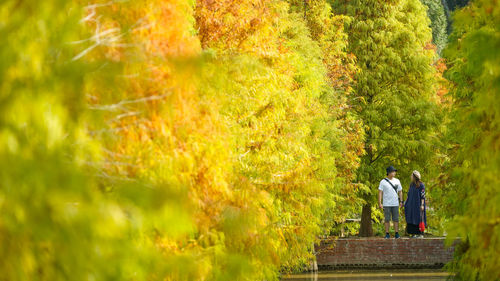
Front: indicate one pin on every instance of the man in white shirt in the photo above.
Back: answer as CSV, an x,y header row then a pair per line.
x,y
390,189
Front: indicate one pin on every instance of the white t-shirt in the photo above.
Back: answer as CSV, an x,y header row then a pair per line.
x,y
390,196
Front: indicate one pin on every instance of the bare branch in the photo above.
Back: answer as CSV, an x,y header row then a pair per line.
x,y
120,105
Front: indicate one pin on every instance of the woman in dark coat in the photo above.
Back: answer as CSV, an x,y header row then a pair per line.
x,y
415,206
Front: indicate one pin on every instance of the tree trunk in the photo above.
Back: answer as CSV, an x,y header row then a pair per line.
x,y
366,229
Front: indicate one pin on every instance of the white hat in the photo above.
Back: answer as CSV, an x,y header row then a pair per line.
x,y
417,175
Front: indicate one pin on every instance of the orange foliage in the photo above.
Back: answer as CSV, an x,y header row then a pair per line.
x,y
162,130
243,26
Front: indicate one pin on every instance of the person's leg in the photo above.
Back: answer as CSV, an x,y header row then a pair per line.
x,y
395,219
411,229
387,220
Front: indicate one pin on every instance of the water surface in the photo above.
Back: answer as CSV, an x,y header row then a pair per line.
x,y
350,275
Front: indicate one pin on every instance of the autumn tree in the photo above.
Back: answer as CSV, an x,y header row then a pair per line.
x,y
327,29
469,189
393,90
57,223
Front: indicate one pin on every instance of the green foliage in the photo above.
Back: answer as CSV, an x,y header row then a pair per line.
x,y
394,90
136,148
217,140
55,222
470,185
456,4
327,30
283,116
439,23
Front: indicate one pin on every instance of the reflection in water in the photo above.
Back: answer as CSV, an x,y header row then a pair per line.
x,y
423,275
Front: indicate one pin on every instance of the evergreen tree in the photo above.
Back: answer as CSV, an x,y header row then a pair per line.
x,y
393,94
439,23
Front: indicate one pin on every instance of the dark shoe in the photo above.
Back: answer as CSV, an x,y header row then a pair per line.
x,y
387,236
396,236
